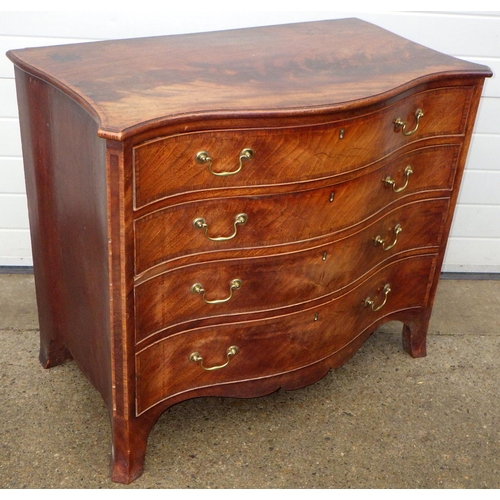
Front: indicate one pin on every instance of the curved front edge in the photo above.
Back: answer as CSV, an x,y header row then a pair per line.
x,y
130,436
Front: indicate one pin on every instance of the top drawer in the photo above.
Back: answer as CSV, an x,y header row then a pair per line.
x,y
221,159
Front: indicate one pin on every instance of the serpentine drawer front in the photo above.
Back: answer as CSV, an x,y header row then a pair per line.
x,y
276,346
170,299
205,223
260,219
292,154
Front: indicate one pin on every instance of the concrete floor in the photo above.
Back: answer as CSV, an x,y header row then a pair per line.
x,y
383,420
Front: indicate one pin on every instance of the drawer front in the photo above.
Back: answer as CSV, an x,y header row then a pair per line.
x,y
275,346
279,281
167,166
272,220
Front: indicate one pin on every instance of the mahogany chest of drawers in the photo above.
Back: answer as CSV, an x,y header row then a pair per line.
x,y
235,212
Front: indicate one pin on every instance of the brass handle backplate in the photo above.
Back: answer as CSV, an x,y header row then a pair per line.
x,y
390,182
233,285
204,158
196,357
400,124
200,223
371,303
378,240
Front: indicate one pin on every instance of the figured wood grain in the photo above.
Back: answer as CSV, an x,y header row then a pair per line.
x,y
132,84
292,154
110,132
168,234
275,282
274,346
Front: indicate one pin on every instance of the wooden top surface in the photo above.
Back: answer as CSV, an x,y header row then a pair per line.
x,y
133,83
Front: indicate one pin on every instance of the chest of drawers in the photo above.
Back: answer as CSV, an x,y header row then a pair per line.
x,y
230,213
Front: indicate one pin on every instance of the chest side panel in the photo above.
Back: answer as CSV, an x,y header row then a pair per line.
x,y
66,179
